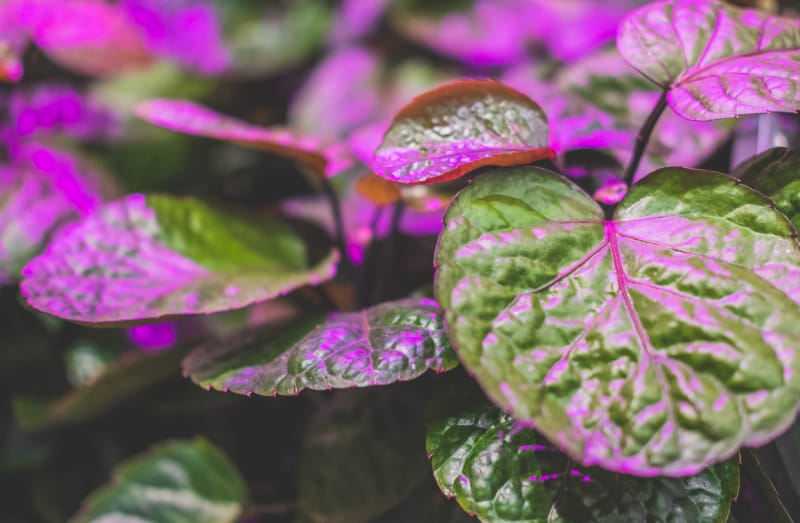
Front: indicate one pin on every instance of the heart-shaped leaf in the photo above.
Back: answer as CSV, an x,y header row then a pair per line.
x,y
775,173
503,472
717,60
658,342
449,131
176,481
393,341
191,118
145,257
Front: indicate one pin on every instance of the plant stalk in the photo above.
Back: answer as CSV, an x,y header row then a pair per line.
x,y
644,137
384,270
338,219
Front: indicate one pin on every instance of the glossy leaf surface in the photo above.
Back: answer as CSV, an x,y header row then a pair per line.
x,y
775,173
394,341
717,60
503,472
449,131
146,257
177,481
191,118
655,343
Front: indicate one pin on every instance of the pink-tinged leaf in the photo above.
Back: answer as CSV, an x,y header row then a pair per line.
x,y
191,118
10,63
449,131
147,257
12,42
187,31
355,19
92,37
43,190
717,60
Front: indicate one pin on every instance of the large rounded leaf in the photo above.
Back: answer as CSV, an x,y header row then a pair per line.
x,y
717,60
505,473
394,341
178,481
655,343
456,128
145,257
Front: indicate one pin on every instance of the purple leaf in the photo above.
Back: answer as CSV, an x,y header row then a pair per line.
x,y
12,42
717,60
191,118
449,131
142,258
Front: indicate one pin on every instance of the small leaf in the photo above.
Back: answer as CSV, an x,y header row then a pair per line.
x,y
449,131
363,456
146,257
394,341
176,481
717,60
776,174
379,191
504,472
191,118
657,342
122,380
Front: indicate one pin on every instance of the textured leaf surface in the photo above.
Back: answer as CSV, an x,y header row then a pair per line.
x,y
144,257
177,481
655,343
394,341
503,472
122,380
775,173
717,60
364,455
451,130
191,118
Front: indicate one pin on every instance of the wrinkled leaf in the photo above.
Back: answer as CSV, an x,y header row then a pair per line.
x,y
654,343
394,341
717,60
122,380
504,472
364,455
449,131
191,118
176,481
776,174
146,257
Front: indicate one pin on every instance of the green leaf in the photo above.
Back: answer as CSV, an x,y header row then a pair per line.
x,y
364,455
776,174
122,380
393,341
654,343
503,473
449,131
177,481
147,257
717,60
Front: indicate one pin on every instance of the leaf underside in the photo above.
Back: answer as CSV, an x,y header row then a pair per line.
x,y
654,343
391,342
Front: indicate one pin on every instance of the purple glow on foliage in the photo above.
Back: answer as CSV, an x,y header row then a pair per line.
x,y
187,31
154,337
356,18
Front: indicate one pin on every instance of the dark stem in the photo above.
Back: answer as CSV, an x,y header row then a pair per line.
x,y
338,220
752,467
644,136
384,269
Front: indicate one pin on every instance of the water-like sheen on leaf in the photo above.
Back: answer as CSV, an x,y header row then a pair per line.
x,y
775,173
506,473
657,342
717,60
176,481
393,341
449,131
190,118
145,257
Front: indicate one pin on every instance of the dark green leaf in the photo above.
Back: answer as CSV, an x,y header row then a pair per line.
x,y
776,174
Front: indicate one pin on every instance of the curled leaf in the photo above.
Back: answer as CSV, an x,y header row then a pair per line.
x,y
191,118
146,257
394,341
655,343
717,60
449,131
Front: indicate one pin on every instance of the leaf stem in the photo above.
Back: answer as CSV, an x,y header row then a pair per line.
x,y
384,270
752,467
644,137
338,219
